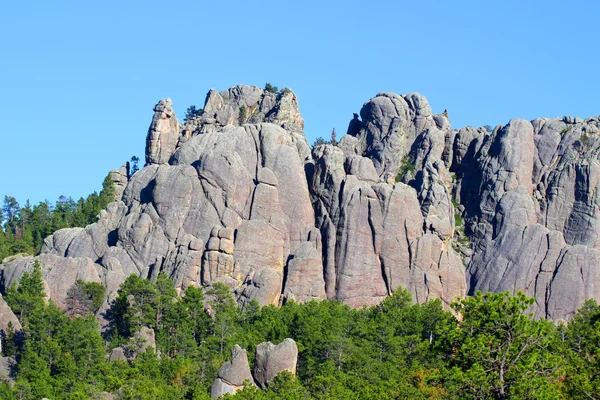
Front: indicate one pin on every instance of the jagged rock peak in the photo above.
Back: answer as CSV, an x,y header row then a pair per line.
x,y
250,104
235,106
390,124
163,134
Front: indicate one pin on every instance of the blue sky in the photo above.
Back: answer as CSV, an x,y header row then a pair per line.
x,y
78,79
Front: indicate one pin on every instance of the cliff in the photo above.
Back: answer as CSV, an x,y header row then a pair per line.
x,y
238,196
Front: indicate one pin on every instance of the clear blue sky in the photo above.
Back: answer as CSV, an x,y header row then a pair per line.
x,y
78,79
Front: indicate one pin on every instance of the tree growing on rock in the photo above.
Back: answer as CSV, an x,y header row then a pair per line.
x,y
23,297
270,88
84,298
192,112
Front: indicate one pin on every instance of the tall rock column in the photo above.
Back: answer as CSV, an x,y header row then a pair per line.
x,y
163,134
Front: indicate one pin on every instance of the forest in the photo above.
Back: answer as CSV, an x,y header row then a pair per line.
x,y
394,350
23,228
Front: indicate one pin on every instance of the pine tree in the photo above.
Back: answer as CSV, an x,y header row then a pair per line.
x,y
28,293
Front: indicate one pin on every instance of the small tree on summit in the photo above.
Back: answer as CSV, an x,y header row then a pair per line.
x,y
270,88
192,112
134,165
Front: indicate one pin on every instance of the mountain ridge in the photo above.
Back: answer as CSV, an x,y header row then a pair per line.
x,y
238,196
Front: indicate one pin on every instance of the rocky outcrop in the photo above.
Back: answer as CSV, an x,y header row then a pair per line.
x,y
163,134
378,235
390,125
142,340
222,198
535,225
272,359
7,316
59,273
120,178
8,367
237,196
232,374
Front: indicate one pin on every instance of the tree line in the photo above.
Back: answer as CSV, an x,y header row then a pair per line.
x,y
23,228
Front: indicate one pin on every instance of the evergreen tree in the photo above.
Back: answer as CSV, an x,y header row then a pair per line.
x,y
23,297
500,351
224,308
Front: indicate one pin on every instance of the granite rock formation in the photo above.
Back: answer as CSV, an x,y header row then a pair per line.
x,y
273,359
270,360
237,195
232,374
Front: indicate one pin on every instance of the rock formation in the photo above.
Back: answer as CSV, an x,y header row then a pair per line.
x,y
273,359
232,374
236,195
7,316
270,360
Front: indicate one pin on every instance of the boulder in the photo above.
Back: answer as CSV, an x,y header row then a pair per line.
x,y
272,359
7,316
232,374
144,339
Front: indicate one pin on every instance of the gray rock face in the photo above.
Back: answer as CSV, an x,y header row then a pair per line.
x,y
163,134
120,177
117,354
390,125
272,359
239,167
7,369
237,196
59,273
373,233
232,374
144,339
531,211
6,316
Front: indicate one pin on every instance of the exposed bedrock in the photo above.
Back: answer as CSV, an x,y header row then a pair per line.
x,y
237,195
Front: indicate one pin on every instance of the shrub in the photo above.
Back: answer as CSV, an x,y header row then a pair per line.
x,y
192,112
405,168
270,88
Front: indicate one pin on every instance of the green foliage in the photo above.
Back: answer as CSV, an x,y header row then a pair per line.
x,y
406,167
27,294
224,308
26,227
581,338
501,352
134,165
85,298
244,114
319,141
270,88
395,350
192,112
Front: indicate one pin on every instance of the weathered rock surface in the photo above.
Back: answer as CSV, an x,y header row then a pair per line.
x,y
237,196
118,354
120,178
272,359
7,369
529,190
59,273
232,374
144,339
7,316
163,134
